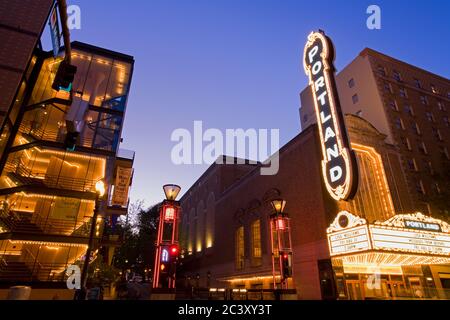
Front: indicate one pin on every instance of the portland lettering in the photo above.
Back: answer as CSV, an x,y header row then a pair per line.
x,y
338,163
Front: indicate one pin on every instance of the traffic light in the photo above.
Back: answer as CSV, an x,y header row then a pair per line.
x,y
174,251
64,76
71,140
286,264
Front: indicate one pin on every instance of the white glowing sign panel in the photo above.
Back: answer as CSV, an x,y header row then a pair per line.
x,y
410,241
350,240
164,255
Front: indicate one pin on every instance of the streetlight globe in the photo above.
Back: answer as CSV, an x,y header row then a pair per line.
x,y
171,191
278,205
100,188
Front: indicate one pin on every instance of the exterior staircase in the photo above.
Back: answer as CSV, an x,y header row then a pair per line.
x,y
12,270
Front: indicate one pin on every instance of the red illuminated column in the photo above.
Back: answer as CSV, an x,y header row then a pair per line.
x,y
280,235
167,248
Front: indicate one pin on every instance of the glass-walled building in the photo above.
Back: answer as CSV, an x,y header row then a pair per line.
x,y
47,191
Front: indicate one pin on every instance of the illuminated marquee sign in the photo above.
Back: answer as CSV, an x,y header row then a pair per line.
x,y
338,164
348,241
403,233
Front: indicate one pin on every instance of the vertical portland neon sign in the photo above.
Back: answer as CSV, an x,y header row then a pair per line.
x,y
339,167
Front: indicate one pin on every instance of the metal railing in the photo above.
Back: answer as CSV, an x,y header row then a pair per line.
x,y
37,224
22,176
29,127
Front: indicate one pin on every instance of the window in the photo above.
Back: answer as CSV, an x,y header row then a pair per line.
x,y
381,71
396,75
424,100
256,242
415,128
406,143
351,83
403,93
399,123
444,152
388,87
409,110
412,165
429,116
437,133
305,118
417,83
422,147
434,90
393,105
436,188
419,187
355,98
446,122
239,251
441,106
429,167
448,94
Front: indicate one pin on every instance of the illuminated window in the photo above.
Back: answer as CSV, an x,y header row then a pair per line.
x,y
355,98
239,250
434,89
256,242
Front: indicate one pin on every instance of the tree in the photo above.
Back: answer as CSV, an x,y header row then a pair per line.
x,y
137,251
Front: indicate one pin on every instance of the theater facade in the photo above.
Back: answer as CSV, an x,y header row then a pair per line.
x,y
356,233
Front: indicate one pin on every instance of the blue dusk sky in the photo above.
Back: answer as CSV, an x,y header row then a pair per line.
x,y
237,64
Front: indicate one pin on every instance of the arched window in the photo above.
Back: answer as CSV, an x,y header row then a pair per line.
x,y
210,220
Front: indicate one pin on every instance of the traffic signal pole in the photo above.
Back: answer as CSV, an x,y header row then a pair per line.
x,y
62,5
167,249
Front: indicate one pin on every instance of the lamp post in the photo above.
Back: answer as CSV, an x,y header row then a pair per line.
x,y
280,236
167,250
100,191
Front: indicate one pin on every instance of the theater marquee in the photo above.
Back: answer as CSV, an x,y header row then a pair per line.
x,y
349,234
338,165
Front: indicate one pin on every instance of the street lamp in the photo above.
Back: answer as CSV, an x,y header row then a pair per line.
x,y
167,249
100,192
171,191
280,235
